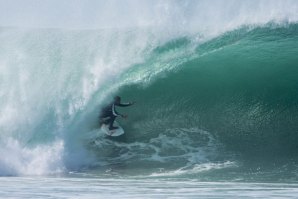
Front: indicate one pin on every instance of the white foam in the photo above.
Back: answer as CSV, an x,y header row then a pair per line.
x,y
21,160
175,146
195,169
51,82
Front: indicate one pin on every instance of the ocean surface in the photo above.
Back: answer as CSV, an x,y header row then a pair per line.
x,y
215,116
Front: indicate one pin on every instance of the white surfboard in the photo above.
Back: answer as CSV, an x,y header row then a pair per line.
x,y
115,132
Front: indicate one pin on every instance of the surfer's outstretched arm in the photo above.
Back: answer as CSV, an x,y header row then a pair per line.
x,y
115,113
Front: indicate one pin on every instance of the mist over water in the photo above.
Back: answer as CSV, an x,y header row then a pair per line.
x,y
172,16
52,77
212,83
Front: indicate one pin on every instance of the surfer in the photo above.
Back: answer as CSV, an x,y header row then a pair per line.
x,y
108,114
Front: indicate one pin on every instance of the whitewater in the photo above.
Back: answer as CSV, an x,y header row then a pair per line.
x,y
216,94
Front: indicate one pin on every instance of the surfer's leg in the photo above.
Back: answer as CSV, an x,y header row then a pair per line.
x,y
112,119
104,121
104,117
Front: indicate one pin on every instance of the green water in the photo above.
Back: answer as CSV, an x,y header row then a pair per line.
x,y
222,108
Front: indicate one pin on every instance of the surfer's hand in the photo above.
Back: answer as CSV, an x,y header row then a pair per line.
x,y
124,116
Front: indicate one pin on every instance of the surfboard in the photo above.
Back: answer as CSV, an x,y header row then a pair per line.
x,y
116,132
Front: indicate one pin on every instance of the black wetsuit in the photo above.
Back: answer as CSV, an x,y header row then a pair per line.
x,y
108,114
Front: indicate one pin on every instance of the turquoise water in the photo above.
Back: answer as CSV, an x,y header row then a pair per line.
x,y
226,109
215,113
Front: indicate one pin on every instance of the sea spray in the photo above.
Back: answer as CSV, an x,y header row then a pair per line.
x,y
49,80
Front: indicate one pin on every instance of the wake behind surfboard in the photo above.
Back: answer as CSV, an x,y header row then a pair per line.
x,y
116,132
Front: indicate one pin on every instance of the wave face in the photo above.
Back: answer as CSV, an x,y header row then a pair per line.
x,y
241,86
210,105
235,94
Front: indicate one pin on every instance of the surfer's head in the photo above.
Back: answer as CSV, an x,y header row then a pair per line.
x,y
117,99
